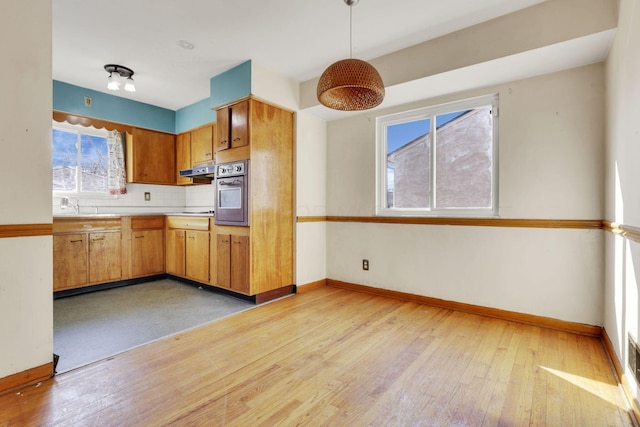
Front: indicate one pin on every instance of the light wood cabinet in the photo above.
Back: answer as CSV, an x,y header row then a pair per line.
x,y
188,247
183,157
194,148
202,143
86,252
70,268
233,126
233,262
197,255
151,157
176,251
147,246
267,142
105,257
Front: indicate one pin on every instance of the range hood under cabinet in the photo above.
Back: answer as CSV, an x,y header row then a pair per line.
x,y
199,171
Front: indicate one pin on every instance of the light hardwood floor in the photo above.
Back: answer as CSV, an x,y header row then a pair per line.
x,y
337,357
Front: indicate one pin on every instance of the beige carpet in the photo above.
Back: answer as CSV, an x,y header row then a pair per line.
x,y
94,326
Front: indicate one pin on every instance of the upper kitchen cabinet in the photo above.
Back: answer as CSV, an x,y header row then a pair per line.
x,y
233,126
195,148
151,157
202,143
183,157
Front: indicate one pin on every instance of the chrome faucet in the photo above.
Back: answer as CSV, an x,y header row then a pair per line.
x,y
64,204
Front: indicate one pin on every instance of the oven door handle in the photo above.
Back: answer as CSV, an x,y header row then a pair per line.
x,y
234,182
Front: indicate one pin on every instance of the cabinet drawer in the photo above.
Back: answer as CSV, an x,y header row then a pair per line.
x,y
147,222
188,222
78,225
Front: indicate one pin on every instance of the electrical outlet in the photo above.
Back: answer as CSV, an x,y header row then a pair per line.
x,y
365,264
147,196
88,102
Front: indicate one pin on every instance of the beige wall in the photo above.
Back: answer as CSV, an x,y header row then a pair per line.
x,y
622,273
26,326
551,145
311,198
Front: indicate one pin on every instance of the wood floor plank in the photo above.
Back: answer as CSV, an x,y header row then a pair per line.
x,y
336,357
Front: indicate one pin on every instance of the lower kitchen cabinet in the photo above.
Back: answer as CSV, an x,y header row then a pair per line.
x,y
83,257
147,253
188,247
105,257
233,262
197,255
176,252
147,246
70,268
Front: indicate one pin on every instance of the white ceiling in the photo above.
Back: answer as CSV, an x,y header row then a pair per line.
x,y
298,39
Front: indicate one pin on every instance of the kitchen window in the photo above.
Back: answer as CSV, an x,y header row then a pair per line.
x,y
439,161
80,159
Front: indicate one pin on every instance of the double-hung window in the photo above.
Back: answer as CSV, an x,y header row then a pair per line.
x,y
439,161
80,159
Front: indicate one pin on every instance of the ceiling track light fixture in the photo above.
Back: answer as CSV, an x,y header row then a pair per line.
x,y
122,73
350,84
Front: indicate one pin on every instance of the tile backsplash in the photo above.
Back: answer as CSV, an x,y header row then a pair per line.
x,y
163,199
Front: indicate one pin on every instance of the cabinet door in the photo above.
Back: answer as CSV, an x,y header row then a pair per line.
x,y
240,124
151,157
202,145
240,263
147,252
197,250
176,252
233,126
224,260
223,116
183,157
105,257
70,268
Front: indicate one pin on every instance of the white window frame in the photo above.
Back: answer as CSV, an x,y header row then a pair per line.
x,y
92,131
424,113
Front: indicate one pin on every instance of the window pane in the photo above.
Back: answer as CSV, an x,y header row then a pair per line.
x,y
65,160
408,160
464,152
93,154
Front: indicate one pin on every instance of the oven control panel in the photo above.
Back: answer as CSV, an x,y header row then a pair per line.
x,y
232,169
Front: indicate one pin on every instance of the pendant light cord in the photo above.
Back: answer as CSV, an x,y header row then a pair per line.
x,y
350,31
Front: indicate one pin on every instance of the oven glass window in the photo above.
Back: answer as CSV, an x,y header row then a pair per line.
x,y
230,198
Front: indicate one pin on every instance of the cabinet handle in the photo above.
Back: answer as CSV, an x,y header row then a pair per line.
x,y
236,139
139,237
75,241
225,241
223,142
207,154
95,239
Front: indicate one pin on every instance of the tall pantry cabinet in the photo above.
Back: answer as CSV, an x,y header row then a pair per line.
x,y
263,133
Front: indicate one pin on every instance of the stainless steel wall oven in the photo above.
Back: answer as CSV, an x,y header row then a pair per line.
x,y
232,193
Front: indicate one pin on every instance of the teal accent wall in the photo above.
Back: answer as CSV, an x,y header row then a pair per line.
x,y
226,87
231,85
70,99
194,115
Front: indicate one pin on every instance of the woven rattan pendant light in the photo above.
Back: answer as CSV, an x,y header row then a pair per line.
x,y
350,84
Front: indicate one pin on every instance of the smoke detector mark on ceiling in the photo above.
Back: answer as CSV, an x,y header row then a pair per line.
x,y
185,44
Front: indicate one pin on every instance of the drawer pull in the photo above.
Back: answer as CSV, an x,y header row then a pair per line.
x,y
75,241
